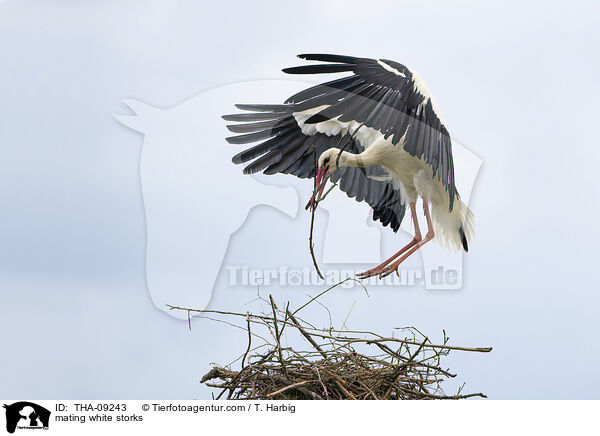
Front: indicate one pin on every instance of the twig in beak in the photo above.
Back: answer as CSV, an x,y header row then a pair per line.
x,y
320,182
312,220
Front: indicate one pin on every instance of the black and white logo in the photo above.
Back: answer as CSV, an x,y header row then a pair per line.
x,y
26,415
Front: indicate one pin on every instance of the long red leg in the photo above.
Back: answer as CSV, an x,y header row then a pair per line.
x,y
379,268
428,237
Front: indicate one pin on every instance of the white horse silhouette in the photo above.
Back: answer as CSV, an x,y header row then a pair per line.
x,y
195,198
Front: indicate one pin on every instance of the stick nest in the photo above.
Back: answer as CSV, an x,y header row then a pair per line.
x,y
333,365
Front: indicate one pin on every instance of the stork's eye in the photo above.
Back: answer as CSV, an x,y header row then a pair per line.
x,y
326,161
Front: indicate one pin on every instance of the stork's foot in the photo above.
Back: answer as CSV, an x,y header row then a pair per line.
x,y
372,272
382,270
379,269
394,266
391,268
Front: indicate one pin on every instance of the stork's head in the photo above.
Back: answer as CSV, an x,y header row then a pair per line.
x,y
329,161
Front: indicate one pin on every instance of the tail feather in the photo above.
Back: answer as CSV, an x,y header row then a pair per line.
x,y
463,239
454,229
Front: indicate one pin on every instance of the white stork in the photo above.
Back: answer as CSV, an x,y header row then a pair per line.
x,y
378,132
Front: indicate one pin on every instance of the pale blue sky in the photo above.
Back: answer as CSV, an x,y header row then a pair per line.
x,y
517,84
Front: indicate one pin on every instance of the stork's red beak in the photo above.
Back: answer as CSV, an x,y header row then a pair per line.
x,y
321,181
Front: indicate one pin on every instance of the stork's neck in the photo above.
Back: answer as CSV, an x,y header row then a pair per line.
x,y
365,159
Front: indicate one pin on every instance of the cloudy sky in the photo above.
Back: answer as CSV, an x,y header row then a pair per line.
x,y
517,85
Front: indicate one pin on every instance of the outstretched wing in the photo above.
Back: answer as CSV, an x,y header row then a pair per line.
x,y
386,96
284,148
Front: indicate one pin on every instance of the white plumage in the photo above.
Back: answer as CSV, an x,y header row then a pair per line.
x,y
414,178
